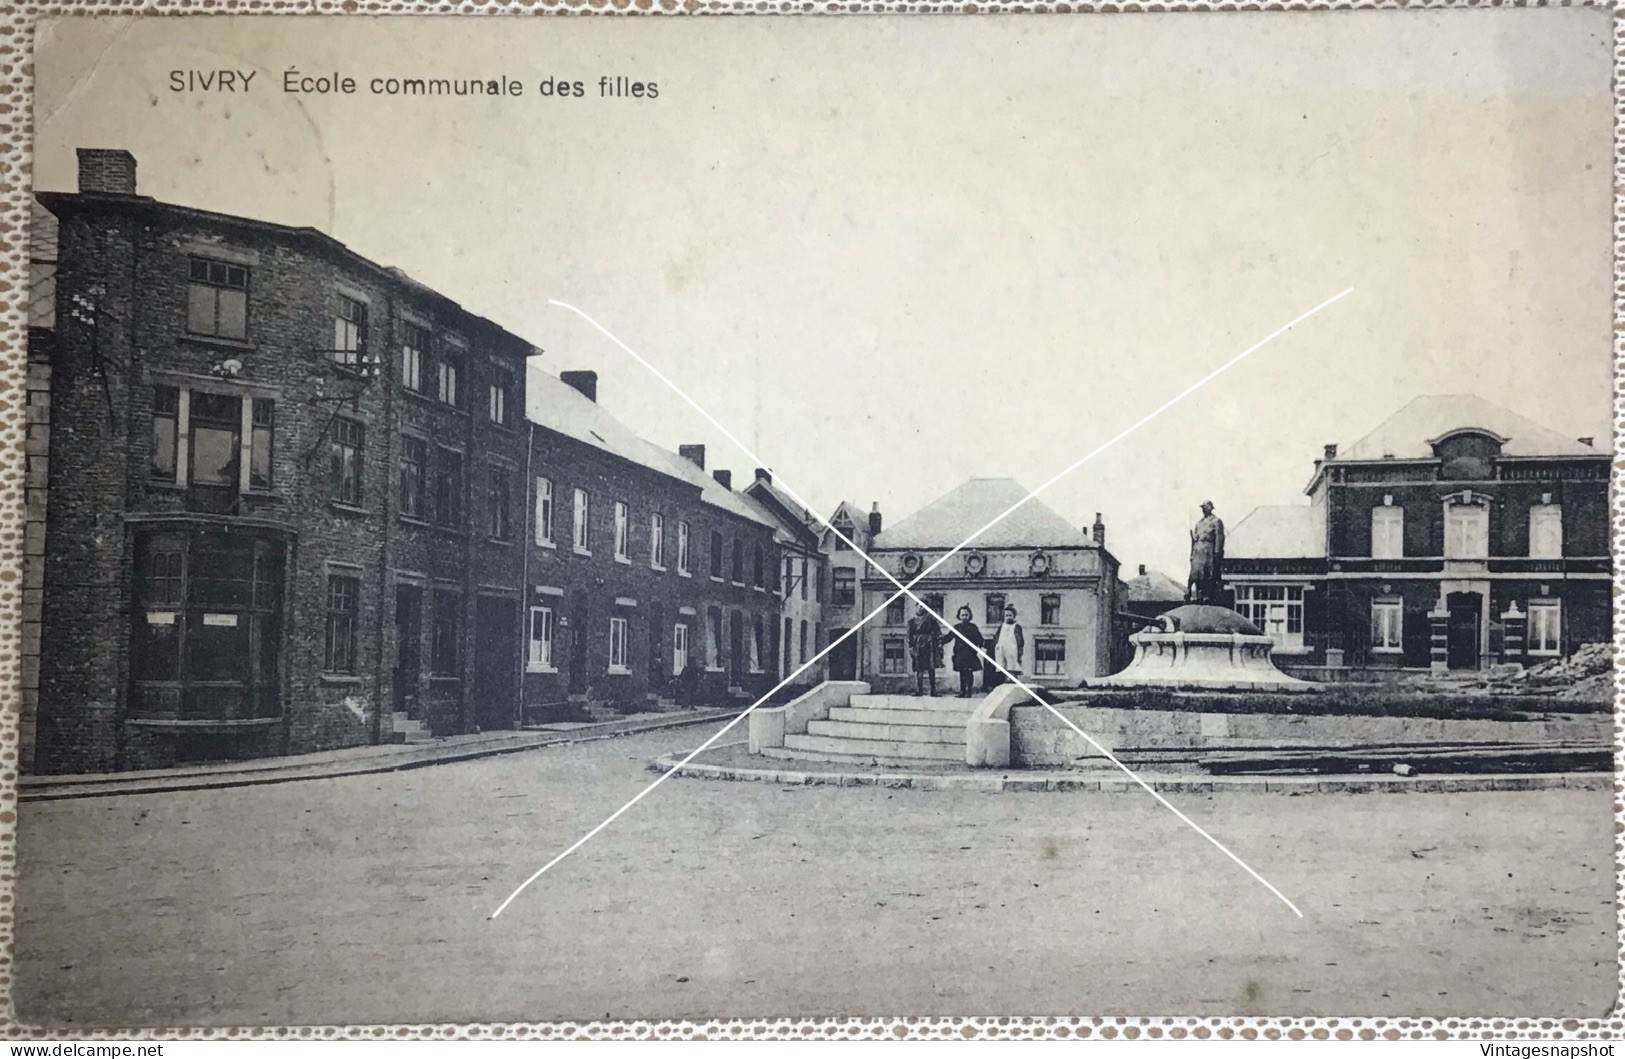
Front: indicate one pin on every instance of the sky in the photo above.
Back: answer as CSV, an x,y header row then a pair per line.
x,y
894,253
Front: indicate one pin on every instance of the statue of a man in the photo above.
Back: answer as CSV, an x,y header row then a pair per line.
x,y
1207,558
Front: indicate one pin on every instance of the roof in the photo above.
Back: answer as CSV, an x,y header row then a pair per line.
x,y
947,521
1293,532
558,406
796,523
1153,586
1409,432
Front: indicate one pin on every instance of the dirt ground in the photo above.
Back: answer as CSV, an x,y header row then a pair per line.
x,y
364,900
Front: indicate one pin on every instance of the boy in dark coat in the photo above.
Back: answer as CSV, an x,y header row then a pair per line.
x,y
925,650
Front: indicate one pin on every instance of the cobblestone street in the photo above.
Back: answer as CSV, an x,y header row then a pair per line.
x,y
364,899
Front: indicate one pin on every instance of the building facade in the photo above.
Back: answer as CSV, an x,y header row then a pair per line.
x,y
802,576
283,500
1457,534
1061,580
850,531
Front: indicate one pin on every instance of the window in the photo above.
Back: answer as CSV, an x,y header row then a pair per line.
x,y
163,576
1049,610
414,472
166,404
713,649
343,596
843,590
1049,656
995,608
891,655
581,512
1277,610
445,654
1466,531
1387,532
843,533
217,299
344,463
539,658
544,511
817,574
758,571
738,562
446,380
804,577
414,348
682,547
1387,626
448,487
617,645
501,504
263,428
801,657
894,611
501,387
1545,627
216,426
349,332
758,644
818,635
679,648
622,544
1546,531
716,555
657,541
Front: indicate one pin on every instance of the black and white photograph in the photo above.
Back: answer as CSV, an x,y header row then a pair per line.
x,y
604,520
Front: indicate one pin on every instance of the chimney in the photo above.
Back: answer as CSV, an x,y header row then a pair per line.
x,y
874,519
1142,569
726,478
585,381
764,475
694,454
1586,441
1099,531
1331,452
111,172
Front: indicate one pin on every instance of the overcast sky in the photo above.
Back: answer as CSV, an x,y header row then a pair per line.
x,y
898,253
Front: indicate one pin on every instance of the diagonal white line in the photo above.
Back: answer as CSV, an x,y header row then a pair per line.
x,y
905,590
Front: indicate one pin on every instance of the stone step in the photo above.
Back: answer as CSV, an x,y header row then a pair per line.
x,y
891,733
875,748
876,715
940,704
787,754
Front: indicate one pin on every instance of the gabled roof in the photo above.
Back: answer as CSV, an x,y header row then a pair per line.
x,y
558,406
1294,532
1153,586
948,520
1409,432
796,522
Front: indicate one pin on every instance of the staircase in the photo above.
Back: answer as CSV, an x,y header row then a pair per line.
x,y
883,730
406,730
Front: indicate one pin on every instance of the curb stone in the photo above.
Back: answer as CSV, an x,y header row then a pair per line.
x,y
290,770
1173,784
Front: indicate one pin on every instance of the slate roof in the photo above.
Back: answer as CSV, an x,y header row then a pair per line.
x,y
948,520
1153,586
557,405
1286,532
1406,434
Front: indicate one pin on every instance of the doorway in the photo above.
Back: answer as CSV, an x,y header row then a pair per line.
x,y
496,661
1463,629
408,648
843,657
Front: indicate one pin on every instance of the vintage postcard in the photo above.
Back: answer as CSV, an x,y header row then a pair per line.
x,y
661,518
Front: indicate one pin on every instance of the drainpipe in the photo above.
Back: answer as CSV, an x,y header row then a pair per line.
x,y
529,513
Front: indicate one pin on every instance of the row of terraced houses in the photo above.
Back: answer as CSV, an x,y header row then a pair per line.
x,y
295,500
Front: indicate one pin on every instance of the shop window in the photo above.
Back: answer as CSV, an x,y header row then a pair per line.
x,y
217,299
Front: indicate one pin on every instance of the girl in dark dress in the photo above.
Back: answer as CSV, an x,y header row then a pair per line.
x,y
967,656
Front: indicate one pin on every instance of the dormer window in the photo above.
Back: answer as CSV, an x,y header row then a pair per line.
x,y
1467,455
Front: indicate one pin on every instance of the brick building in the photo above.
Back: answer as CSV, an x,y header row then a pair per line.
x,y
279,505
843,602
799,536
1455,534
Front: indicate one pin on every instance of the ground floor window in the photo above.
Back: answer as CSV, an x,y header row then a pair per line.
x,y
802,655
892,655
1049,657
445,648
1387,625
894,611
1277,610
713,648
617,646
1545,627
343,606
995,608
758,644
540,655
679,648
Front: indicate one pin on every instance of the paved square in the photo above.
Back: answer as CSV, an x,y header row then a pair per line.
x,y
363,899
